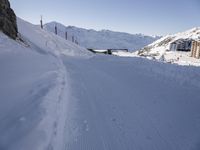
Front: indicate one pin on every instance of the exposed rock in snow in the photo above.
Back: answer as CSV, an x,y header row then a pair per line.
x,y
7,19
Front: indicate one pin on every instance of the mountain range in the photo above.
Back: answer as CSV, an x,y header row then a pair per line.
x,y
104,39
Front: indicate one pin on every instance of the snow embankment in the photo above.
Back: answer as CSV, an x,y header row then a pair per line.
x,y
27,79
34,89
49,42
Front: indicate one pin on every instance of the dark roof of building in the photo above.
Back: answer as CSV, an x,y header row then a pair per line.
x,y
182,41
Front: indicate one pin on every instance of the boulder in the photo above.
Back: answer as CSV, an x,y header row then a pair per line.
x,y
8,23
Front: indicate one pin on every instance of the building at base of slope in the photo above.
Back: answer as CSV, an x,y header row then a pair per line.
x,y
195,50
181,45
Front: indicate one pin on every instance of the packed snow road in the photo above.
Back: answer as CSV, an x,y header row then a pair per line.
x,y
131,104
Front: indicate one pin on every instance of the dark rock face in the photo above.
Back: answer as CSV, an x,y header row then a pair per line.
x,y
8,22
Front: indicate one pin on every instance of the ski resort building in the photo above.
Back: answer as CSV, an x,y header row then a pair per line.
x,y
181,45
195,52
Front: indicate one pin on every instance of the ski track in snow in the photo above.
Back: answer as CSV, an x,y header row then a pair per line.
x,y
33,116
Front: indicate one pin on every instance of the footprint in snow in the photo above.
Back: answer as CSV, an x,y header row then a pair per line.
x,y
22,119
114,119
86,126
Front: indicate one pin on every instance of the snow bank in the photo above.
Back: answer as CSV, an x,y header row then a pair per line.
x,y
26,78
34,89
49,42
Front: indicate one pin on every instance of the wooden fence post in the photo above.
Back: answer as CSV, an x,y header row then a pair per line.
x,y
56,30
41,23
66,35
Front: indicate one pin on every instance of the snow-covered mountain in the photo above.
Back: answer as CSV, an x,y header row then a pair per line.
x,y
160,49
103,39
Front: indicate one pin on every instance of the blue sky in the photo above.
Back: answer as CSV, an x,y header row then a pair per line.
x,y
152,17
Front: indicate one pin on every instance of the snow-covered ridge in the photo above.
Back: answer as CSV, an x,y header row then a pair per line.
x,y
104,39
160,49
48,41
193,33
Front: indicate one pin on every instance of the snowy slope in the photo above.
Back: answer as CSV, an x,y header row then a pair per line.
x,y
159,49
30,85
49,41
57,96
103,39
34,89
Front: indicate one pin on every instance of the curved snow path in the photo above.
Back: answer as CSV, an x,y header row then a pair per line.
x,y
131,104
55,104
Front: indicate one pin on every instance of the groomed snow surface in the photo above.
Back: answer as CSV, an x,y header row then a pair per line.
x,y
55,95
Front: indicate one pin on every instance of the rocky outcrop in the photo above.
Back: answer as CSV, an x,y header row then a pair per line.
x,y
8,24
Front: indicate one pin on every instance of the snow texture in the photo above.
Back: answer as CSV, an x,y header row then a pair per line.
x,y
125,103
55,95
